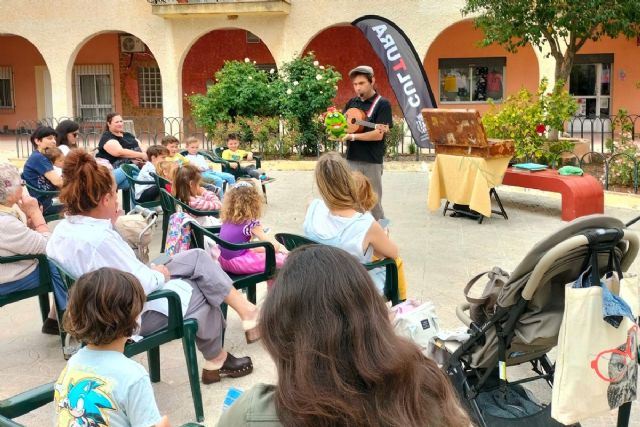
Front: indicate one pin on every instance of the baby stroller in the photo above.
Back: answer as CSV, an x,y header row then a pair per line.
x,y
526,323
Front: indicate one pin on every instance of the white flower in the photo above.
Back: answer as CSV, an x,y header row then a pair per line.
x,y
271,71
316,63
254,62
318,77
289,91
322,67
321,92
247,60
250,78
295,83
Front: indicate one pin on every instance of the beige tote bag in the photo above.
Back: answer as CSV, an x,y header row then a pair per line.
x,y
597,363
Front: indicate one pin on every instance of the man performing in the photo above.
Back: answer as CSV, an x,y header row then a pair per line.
x,y
365,151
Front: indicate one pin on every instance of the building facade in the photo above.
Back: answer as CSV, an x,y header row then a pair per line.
x,y
85,58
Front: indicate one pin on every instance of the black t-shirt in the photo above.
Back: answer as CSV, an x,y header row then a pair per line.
x,y
369,151
127,140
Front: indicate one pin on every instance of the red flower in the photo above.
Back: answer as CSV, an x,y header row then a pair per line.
x,y
540,129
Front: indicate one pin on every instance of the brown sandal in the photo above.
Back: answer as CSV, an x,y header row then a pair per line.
x,y
233,367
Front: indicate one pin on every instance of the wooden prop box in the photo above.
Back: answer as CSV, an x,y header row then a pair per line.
x,y
460,132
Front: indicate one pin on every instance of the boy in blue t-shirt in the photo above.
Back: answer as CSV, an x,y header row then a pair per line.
x,y
38,170
100,386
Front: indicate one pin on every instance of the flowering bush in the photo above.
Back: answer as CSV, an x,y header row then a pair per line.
x,y
529,119
622,163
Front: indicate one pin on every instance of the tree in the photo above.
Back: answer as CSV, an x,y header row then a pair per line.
x,y
305,89
565,25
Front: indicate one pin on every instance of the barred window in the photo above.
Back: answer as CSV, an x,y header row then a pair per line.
x,y
94,91
6,87
150,87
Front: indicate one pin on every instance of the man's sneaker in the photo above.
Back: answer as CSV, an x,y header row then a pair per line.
x,y
266,179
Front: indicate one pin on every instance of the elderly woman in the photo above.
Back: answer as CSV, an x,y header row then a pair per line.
x,y
118,147
86,241
24,232
38,170
67,138
338,359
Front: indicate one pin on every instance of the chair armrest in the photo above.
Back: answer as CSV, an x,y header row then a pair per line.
x,y
175,306
379,263
26,402
391,277
14,258
258,160
196,212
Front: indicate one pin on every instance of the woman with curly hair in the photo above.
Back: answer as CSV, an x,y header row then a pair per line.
x,y
338,359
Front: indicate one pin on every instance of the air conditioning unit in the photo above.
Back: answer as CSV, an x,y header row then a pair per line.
x,y
131,44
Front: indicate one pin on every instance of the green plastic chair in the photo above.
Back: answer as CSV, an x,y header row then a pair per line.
x,y
42,291
226,166
128,195
177,328
35,192
25,402
292,241
170,205
240,281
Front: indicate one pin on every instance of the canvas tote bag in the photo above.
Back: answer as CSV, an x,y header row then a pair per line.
x,y
597,363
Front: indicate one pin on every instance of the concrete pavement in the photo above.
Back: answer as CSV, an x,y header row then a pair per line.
x,y
441,254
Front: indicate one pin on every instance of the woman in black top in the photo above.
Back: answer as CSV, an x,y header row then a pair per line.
x,y
119,147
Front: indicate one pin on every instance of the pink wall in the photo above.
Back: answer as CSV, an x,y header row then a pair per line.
x,y
459,41
99,50
626,71
22,56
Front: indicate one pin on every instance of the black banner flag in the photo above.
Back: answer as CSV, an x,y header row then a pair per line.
x,y
404,68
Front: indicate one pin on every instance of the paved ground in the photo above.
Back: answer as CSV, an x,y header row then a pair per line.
x,y
440,254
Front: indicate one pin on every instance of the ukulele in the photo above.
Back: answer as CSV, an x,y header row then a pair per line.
x,y
356,122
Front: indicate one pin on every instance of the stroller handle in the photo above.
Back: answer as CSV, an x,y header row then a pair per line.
x,y
461,312
573,243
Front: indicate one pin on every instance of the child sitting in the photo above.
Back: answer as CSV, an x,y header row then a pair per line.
x,y
187,188
167,170
234,154
367,199
56,157
240,215
150,192
173,145
99,385
207,167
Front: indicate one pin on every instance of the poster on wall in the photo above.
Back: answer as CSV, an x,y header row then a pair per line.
x,y
404,68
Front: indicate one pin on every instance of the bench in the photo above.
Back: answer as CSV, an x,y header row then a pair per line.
x,y
581,195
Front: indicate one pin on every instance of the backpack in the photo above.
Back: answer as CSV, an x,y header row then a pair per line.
x,y
136,228
484,306
178,233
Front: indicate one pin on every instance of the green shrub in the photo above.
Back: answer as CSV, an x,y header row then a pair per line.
x,y
526,118
621,164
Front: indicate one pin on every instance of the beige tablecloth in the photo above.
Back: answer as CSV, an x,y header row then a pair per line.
x,y
465,180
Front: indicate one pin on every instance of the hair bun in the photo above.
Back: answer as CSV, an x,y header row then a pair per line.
x,y
74,163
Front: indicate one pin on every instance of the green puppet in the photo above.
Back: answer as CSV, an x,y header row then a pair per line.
x,y
335,123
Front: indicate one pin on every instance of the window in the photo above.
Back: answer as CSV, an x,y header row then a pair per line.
x,y
150,87
590,84
94,91
6,87
252,38
471,79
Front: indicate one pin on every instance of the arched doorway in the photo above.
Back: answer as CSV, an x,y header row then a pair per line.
x,y
25,85
117,72
345,47
208,54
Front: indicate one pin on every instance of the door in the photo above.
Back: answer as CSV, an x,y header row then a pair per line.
x,y
590,85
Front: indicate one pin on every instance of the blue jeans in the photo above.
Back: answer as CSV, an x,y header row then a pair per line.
x,y
121,179
219,178
32,280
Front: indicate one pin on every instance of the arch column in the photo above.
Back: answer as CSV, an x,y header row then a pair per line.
x,y
546,65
